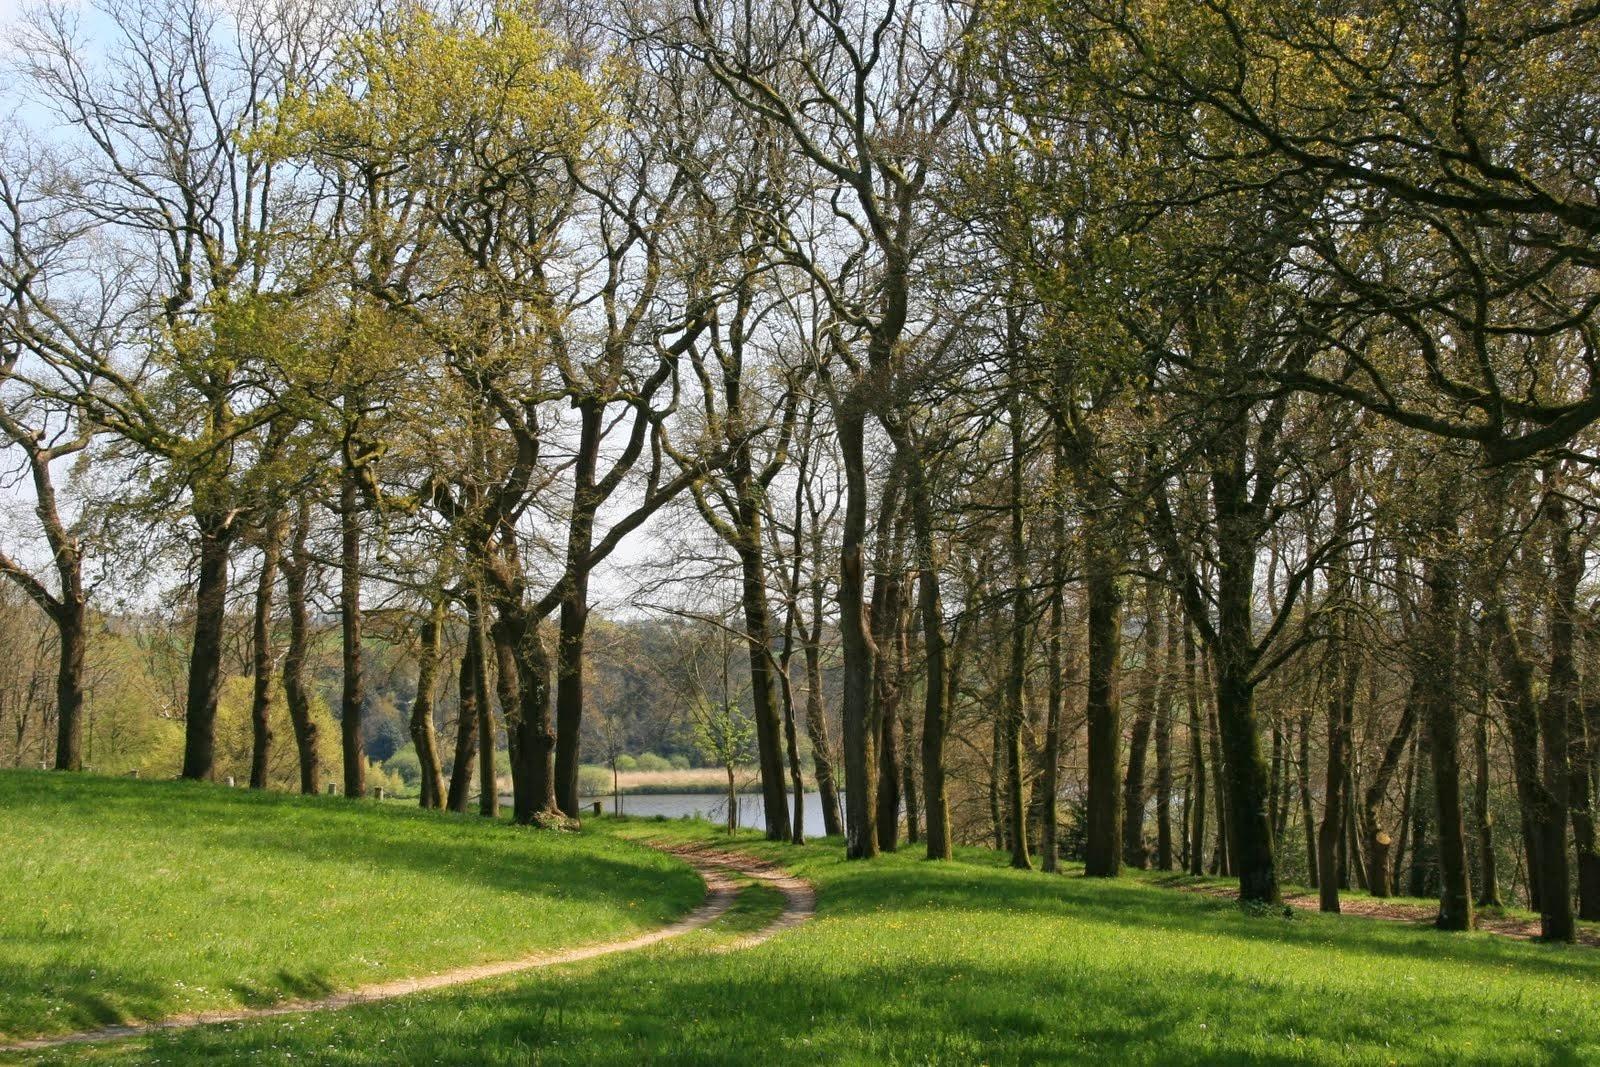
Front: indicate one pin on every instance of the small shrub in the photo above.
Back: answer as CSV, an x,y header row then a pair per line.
x,y
406,764
627,763
652,762
594,781
680,762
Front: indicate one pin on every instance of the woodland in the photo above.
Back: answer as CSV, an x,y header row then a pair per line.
x,y
1150,434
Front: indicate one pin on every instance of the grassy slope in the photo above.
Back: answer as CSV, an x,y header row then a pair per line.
x,y
122,899
910,962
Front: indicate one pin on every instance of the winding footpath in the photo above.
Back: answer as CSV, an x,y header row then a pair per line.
x,y
717,868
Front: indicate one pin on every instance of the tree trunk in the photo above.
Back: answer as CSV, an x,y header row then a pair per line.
x,y
350,705
1220,855
817,730
1441,718
1556,920
1050,771
1423,877
1016,676
886,692
1583,821
466,731
1103,843
910,785
296,566
1163,728
797,824
1134,853
530,734
1333,816
1197,763
73,636
758,633
1250,849
261,658
422,732
205,654
860,757
1489,881
1307,809
507,681
573,625
1377,840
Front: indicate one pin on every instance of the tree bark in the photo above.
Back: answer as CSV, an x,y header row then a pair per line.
x,y
1163,731
296,567
261,657
860,756
1379,876
1489,881
466,731
1583,822
352,699
1556,919
1103,844
1307,808
1134,853
1055,700
1341,684
817,730
1197,763
1441,718
423,736
205,653
886,690
758,633
1016,679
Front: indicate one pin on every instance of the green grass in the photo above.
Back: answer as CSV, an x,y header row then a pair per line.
x,y
1425,907
128,900
915,963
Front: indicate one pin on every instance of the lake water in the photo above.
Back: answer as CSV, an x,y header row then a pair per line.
x,y
709,806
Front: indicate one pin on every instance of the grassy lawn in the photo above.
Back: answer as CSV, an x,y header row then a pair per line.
x,y
962,963
127,900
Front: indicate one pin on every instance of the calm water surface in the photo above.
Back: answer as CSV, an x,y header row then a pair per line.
x,y
710,806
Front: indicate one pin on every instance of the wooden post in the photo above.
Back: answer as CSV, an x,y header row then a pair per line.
x,y
596,807
377,792
333,789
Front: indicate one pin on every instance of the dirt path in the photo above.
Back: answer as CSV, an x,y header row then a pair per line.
x,y
715,867
1397,911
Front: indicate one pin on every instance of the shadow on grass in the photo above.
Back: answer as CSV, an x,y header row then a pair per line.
x,y
909,962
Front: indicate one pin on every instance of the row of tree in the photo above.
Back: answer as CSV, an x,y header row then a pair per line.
x,y
957,329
